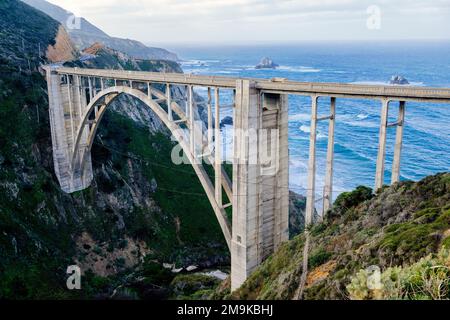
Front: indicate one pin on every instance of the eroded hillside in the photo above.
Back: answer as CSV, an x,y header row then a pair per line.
x,y
132,216
395,228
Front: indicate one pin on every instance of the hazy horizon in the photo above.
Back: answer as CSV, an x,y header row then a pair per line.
x,y
299,43
238,22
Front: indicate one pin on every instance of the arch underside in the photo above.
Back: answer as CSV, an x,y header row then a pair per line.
x,y
94,113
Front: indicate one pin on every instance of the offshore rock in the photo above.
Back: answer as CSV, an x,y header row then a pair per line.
x,y
266,63
398,80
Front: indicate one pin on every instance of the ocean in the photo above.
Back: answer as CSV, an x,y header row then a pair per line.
x,y
426,147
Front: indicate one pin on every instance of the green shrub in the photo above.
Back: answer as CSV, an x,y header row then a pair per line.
x,y
349,200
429,278
155,274
193,286
318,258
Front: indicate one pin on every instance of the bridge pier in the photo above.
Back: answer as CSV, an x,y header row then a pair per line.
x,y
381,158
260,187
398,143
328,189
64,118
395,177
310,192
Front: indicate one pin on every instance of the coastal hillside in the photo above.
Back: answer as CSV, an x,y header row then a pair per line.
x,y
131,217
140,216
403,231
88,34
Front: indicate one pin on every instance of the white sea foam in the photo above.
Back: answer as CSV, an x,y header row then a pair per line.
x,y
195,63
386,83
300,117
362,116
301,69
305,129
363,124
225,72
298,163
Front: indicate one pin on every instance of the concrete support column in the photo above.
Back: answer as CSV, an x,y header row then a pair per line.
x,y
328,189
246,184
398,143
217,151
91,93
379,175
169,102
78,96
310,200
186,99
71,111
210,119
84,100
191,120
260,179
275,206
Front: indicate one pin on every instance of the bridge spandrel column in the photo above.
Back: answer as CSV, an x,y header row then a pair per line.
x,y
398,143
310,199
260,187
379,175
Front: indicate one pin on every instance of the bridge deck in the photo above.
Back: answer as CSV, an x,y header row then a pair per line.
x,y
276,85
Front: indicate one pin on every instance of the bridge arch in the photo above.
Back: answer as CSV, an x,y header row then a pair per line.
x,y
260,199
97,108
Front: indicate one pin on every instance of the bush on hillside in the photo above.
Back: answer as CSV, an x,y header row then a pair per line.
x,y
427,279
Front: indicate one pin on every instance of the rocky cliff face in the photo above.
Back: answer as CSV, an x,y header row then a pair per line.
x,y
133,214
63,49
22,46
87,34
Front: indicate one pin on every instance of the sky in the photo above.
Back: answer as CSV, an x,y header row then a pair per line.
x,y
265,21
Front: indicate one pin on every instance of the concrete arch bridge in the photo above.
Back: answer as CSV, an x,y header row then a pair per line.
x,y
259,186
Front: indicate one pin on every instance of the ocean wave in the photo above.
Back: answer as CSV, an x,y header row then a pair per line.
x,y
363,124
386,83
352,154
300,117
225,72
362,116
305,129
319,135
298,163
195,63
301,69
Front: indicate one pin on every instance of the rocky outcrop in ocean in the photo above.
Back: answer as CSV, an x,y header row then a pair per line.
x,y
266,63
398,80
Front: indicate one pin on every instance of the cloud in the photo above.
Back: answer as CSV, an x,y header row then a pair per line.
x,y
205,20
